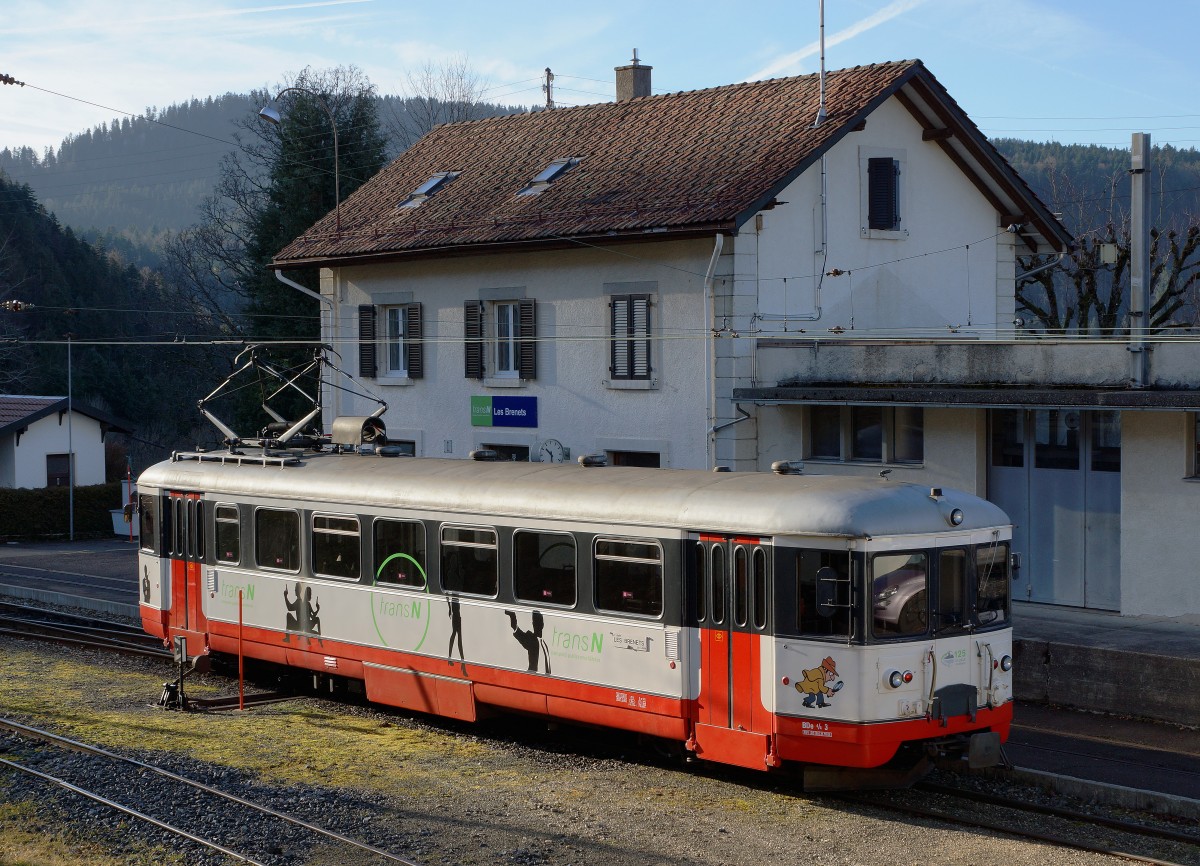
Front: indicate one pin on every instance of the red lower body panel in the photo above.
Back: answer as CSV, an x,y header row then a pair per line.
x,y
872,745
457,689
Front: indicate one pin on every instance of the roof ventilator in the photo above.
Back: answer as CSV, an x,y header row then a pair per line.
x,y
593,460
788,467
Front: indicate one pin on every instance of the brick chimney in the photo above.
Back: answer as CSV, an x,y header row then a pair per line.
x,y
633,80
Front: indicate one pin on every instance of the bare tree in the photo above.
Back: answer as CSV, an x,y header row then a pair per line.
x,y
1089,293
437,93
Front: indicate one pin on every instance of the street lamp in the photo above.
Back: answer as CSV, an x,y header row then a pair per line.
x,y
271,114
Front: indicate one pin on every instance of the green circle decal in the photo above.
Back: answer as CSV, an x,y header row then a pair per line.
x,y
428,612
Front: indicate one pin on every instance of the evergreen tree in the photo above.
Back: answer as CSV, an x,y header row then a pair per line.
x,y
277,185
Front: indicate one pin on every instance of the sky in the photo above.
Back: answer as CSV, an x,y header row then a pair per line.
x,y
1076,71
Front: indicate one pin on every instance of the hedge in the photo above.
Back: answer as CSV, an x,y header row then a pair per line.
x,y
43,513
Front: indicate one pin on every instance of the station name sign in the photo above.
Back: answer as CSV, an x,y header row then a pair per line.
x,y
504,412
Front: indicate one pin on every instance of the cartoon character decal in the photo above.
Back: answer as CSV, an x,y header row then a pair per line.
x,y
303,614
817,684
532,640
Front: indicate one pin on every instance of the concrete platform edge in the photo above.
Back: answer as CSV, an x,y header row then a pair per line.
x,y
71,601
1145,684
1107,794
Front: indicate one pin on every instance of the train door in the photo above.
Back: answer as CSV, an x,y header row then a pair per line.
x,y
186,539
731,586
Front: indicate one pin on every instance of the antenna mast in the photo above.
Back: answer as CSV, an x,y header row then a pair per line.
x,y
821,105
548,88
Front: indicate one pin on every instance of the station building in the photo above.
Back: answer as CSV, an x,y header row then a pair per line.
x,y
791,269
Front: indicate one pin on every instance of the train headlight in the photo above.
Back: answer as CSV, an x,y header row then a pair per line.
x,y
1006,664
895,679
956,517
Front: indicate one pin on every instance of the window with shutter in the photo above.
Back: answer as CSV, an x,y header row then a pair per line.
x,y
395,353
366,341
415,345
883,199
527,339
473,337
630,337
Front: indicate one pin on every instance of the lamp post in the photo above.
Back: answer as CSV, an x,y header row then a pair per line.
x,y
70,451
271,114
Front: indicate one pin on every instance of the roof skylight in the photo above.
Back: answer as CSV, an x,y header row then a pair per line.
x,y
548,175
428,188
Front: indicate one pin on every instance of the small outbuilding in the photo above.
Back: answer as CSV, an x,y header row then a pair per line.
x,y
41,436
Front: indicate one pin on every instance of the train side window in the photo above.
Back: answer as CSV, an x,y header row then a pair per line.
x,y
148,524
701,585
760,588
400,552
277,539
544,567
196,507
177,526
811,568
469,560
335,546
716,577
741,585
629,576
992,582
228,533
900,593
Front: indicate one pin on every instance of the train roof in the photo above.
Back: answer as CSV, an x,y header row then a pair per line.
x,y
756,503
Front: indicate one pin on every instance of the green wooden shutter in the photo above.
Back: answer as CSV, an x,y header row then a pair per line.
x,y
366,342
473,339
414,345
527,339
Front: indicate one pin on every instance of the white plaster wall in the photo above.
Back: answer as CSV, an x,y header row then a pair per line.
x,y
575,404
955,440
922,278
1159,507
48,436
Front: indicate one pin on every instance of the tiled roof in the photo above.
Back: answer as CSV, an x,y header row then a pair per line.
x,y
681,162
15,408
17,411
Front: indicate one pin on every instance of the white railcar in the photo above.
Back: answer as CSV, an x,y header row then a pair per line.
x,y
757,619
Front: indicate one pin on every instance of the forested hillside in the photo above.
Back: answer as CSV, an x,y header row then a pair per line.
x,y
136,178
110,311
1086,182
129,182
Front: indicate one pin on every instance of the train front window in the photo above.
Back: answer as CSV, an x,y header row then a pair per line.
x,y
992,604
400,552
952,590
823,575
544,568
147,525
335,546
228,534
629,576
900,594
469,560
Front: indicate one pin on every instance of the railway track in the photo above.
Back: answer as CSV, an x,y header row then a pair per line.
x,y
1042,822
1027,819
79,630
189,809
